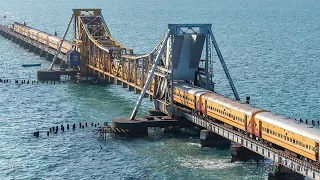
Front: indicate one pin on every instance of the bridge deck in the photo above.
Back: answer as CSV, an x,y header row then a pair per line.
x,y
12,34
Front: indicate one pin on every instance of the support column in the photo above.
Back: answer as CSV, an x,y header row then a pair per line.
x,y
31,48
130,88
150,97
106,78
36,50
240,153
210,139
137,91
124,85
117,81
26,45
17,41
21,43
110,79
42,53
58,61
49,56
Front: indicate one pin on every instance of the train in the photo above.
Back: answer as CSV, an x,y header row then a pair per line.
x,y
42,37
292,137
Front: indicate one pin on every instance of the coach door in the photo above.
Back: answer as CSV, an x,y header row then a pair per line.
x,y
316,149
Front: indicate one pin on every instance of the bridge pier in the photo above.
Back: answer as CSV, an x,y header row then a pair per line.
x,y
49,57
42,53
62,64
110,79
36,50
58,61
130,88
124,85
130,128
137,91
6,35
17,41
21,43
48,75
117,81
150,97
31,48
240,153
283,173
25,45
210,139
12,38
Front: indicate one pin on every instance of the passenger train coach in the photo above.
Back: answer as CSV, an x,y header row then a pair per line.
x,y
293,138
42,37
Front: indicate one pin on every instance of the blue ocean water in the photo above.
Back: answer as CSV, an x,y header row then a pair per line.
x,y
272,50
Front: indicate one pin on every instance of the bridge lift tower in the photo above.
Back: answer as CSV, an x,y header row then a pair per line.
x,y
178,57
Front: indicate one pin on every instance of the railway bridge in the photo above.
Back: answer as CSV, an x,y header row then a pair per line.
x,y
184,54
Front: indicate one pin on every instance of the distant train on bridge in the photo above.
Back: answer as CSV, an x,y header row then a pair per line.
x,y
42,37
282,133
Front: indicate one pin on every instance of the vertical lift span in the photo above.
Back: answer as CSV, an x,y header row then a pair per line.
x,y
174,31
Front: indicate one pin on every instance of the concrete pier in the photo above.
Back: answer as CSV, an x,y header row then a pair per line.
x,y
36,50
240,153
124,85
117,81
54,75
210,139
31,48
42,53
130,128
49,57
137,91
130,88
26,45
48,75
110,79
